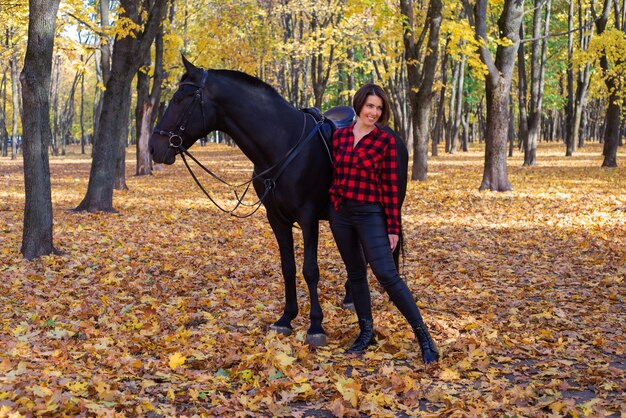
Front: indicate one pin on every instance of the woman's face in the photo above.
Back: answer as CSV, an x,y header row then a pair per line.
x,y
371,110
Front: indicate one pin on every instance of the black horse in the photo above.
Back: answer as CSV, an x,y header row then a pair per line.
x,y
292,165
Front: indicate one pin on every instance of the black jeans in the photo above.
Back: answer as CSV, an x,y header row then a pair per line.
x,y
360,231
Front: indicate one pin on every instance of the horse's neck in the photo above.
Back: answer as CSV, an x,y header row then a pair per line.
x,y
263,133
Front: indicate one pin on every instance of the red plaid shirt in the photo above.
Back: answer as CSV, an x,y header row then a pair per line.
x,y
367,172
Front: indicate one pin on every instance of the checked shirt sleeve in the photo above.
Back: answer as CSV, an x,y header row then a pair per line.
x,y
389,184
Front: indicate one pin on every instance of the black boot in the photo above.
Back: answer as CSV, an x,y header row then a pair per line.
x,y
365,338
430,353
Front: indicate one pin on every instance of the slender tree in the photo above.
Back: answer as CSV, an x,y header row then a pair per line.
x,y
612,81
128,53
522,89
35,80
583,78
421,80
15,86
147,106
537,71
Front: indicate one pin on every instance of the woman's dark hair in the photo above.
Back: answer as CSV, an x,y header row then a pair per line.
x,y
368,90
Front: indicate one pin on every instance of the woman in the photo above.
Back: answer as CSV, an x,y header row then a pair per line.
x,y
365,217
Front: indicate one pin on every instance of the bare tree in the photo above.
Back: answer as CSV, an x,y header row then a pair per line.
x,y
35,80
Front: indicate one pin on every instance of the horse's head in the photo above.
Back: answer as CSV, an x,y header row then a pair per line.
x,y
187,118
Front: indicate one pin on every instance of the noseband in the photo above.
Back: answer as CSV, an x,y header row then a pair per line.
x,y
175,138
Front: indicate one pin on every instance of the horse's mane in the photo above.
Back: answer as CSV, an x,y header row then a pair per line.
x,y
248,79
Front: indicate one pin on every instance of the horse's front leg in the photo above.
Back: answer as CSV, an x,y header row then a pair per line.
x,y
310,270
284,237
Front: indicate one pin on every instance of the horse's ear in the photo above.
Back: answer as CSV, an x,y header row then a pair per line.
x,y
188,66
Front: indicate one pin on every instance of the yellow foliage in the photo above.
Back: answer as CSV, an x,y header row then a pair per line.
x,y
176,360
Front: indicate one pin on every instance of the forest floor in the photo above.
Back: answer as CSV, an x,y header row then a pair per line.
x,y
163,308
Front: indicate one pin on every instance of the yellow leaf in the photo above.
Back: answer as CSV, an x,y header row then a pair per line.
x,y
246,375
284,359
350,390
193,394
449,375
304,389
557,407
78,388
176,360
41,391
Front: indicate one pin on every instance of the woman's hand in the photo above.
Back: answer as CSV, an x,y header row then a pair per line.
x,y
393,241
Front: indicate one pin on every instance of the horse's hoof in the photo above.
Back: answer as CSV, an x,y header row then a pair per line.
x,y
316,340
282,330
349,307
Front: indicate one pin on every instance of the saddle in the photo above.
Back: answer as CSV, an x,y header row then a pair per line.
x,y
334,118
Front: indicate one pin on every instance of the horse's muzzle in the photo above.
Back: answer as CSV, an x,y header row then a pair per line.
x,y
160,150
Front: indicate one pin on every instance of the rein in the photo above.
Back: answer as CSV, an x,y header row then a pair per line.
x,y
176,142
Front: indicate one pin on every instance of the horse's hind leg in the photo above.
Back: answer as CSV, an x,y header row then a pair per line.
x,y
284,237
310,270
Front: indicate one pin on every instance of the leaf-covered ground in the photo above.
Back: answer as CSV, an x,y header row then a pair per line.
x,y
163,309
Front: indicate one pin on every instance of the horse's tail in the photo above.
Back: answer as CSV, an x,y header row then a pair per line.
x,y
402,158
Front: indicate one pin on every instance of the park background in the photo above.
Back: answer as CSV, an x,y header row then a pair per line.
x,y
162,307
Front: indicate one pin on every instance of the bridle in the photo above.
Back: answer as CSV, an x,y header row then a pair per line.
x,y
175,139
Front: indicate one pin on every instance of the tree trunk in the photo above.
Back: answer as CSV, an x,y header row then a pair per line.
x,y
322,58
35,80
465,124
82,112
495,176
611,133
457,115
146,110
102,67
522,87
498,86
612,122
441,107
4,135
56,83
67,116
582,87
452,114
570,139
537,70
120,162
143,115
128,55
511,130
16,106
421,100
